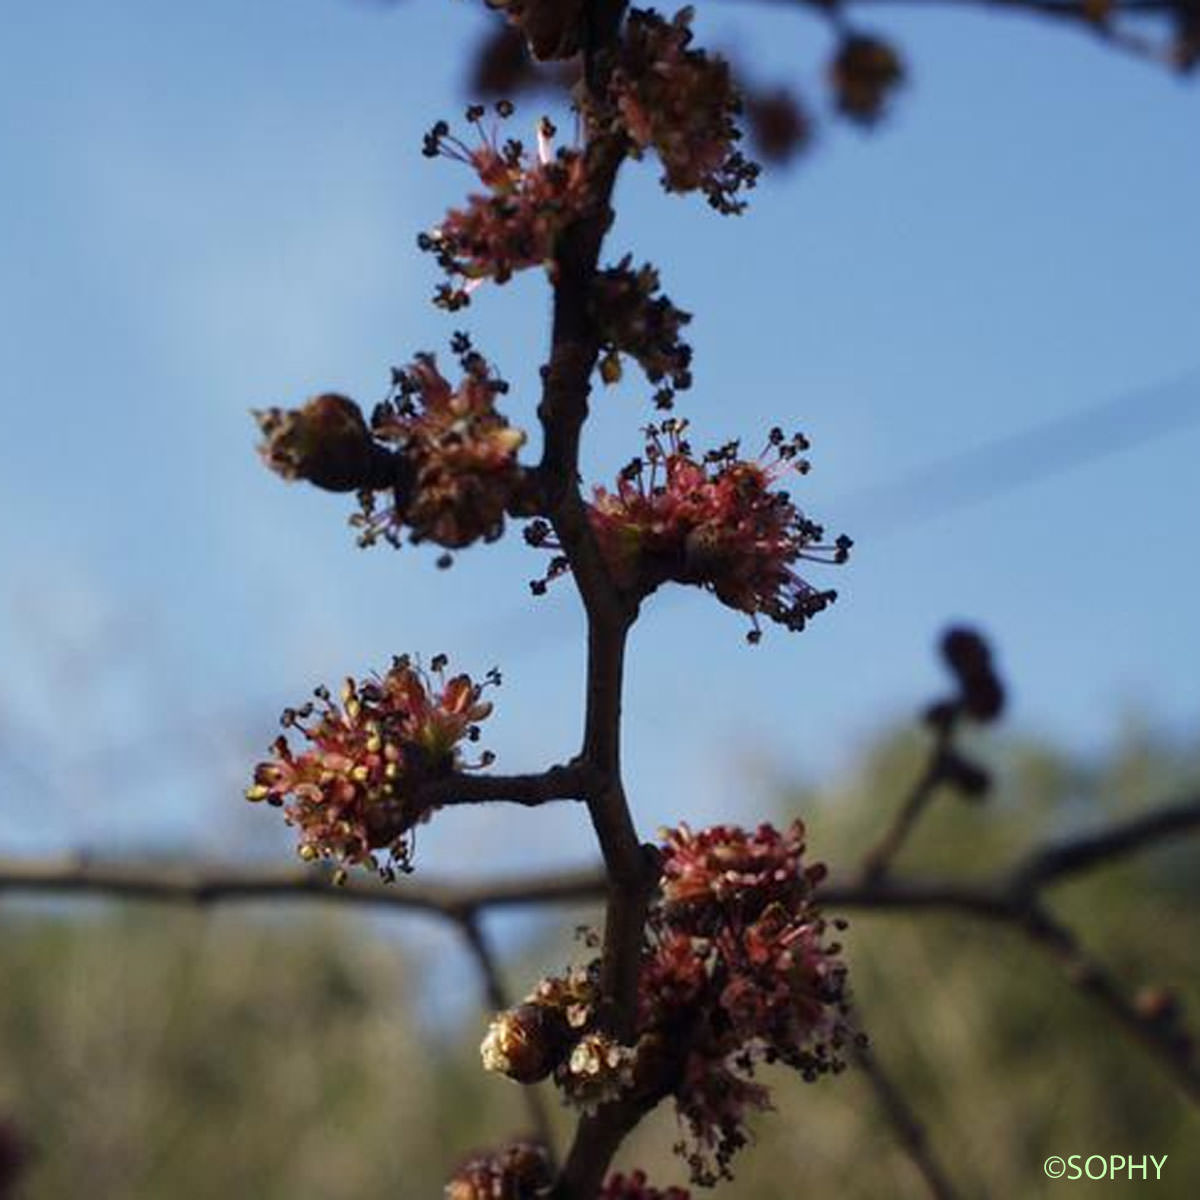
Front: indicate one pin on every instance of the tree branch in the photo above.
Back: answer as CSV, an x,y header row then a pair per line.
x,y
577,781
906,1125
1060,860
879,858
1167,1042
1013,897
215,884
575,346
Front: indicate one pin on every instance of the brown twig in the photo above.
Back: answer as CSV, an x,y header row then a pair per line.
x,y
1071,856
216,884
878,860
1013,897
1166,1042
577,781
906,1125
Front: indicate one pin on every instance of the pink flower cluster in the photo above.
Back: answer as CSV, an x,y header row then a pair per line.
x,y
551,27
682,102
516,221
864,74
634,318
635,1186
713,522
356,787
326,442
459,451
443,455
737,971
740,970
520,1171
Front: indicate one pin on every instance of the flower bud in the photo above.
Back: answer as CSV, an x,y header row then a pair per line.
x,y
598,1070
970,659
518,1172
526,1043
636,1186
326,443
863,75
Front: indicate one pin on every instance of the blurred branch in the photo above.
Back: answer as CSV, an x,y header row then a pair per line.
x,y
1082,853
1009,893
1165,1040
906,1125
978,697
219,884
496,1000
1013,897
1097,16
879,858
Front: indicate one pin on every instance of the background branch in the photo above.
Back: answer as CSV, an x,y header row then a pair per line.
x,y
496,999
879,858
1013,897
1100,18
905,1124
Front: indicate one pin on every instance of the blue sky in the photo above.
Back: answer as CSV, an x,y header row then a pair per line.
x,y
213,207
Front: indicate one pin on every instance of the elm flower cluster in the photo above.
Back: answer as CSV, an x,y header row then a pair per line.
x,y
520,1171
779,126
551,1033
460,454
634,318
635,1186
354,791
516,221
770,988
551,27
326,442
737,971
715,523
683,103
864,74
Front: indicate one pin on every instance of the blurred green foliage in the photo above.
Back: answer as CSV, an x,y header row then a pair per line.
x,y
154,1053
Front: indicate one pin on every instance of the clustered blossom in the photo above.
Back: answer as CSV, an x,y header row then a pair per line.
x,y
715,523
551,27
551,1033
354,790
736,971
326,442
864,74
460,454
635,1186
779,126
514,223
772,988
444,457
520,1171
633,319
683,103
